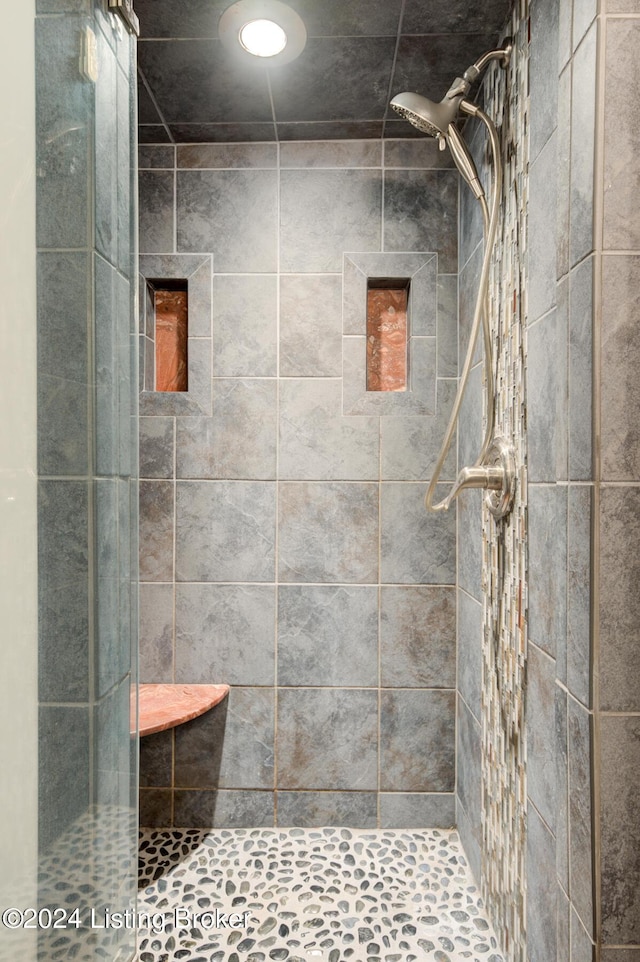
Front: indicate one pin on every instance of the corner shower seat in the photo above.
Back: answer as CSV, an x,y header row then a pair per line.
x,y
166,706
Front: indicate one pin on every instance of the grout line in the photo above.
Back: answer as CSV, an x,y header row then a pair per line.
x,y
379,626
598,232
276,558
175,539
175,201
163,122
393,68
172,801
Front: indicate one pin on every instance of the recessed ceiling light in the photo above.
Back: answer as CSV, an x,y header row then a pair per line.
x,y
263,38
263,28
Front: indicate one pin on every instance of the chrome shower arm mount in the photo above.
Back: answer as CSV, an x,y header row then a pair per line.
x,y
503,54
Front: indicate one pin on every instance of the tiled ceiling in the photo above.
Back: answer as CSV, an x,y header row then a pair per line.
x,y
359,53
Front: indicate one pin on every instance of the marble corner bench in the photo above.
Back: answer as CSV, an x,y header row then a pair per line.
x,y
165,706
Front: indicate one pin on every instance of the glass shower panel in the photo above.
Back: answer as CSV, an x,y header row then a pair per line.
x,y
87,466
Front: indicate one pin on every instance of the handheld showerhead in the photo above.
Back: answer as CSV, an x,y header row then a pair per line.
x,y
437,120
429,117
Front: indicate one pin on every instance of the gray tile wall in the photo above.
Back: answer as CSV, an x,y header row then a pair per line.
x,y
582,697
559,419
583,512
589,492
285,546
617,312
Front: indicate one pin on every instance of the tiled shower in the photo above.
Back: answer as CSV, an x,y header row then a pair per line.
x,y
308,587
316,499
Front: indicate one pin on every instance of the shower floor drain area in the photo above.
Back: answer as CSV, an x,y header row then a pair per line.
x,y
295,895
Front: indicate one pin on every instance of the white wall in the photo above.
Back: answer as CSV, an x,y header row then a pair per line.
x,y
18,530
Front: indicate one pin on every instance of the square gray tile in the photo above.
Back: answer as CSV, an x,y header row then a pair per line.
x,y
619,670
157,447
620,347
307,759
157,211
156,633
351,809
230,746
230,213
225,530
156,760
327,636
542,887
583,122
226,809
412,810
468,755
310,325
421,214
239,441
63,768
580,813
244,325
542,241
156,530
417,741
578,670
547,383
581,323
326,212
225,634
547,511
417,547
541,734
418,637
328,531
470,640
411,445
317,442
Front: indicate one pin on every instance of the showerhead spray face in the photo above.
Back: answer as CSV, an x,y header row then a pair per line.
x,y
417,110
431,118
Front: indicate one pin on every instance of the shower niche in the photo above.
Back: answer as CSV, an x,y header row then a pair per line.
x,y
390,305
175,334
168,301
387,333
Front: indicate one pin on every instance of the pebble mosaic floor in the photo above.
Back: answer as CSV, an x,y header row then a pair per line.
x,y
325,894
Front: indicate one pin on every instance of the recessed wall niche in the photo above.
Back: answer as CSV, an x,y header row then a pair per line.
x,y
190,274
416,274
387,333
171,331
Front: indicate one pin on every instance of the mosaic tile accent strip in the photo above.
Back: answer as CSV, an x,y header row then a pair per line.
x,y
504,543
327,894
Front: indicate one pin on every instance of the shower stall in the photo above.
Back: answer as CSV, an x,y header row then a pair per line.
x,y
471,671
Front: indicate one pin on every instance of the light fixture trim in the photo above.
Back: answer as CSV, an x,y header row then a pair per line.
x,y
236,17
263,38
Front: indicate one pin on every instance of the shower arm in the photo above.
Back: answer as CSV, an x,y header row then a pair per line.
x,y
494,467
